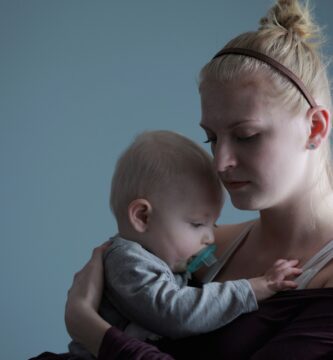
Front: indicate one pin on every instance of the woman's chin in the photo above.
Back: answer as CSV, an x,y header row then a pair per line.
x,y
245,204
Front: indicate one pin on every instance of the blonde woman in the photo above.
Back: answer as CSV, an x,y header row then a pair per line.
x,y
266,111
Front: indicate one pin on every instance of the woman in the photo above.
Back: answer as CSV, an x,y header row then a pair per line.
x,y
266,110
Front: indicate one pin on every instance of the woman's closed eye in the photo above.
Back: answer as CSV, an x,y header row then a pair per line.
x,y
247,137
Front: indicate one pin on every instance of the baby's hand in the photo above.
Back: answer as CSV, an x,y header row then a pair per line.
x,y
275,279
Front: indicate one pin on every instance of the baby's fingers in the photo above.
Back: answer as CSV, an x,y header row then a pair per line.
x,y
279,262
282,264
285,285
290,271
293,262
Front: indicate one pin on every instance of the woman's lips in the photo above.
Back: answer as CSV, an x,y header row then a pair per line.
x,y
235,185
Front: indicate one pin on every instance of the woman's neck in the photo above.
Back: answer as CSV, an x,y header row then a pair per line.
x,y
307,224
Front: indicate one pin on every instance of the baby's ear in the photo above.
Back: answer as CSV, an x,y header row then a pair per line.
x,y
139,211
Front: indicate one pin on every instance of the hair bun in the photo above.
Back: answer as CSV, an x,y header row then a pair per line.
x,y
291,17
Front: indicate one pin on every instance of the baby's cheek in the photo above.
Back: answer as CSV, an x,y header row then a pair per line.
x,y
180,267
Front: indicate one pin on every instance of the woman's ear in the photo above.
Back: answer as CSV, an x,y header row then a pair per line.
x,y
320,124
139,211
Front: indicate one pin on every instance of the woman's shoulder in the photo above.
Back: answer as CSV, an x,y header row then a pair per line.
x,y
227,234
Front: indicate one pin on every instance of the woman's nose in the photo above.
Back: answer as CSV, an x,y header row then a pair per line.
x,y
224,157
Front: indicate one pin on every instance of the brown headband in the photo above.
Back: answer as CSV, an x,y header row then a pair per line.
x,y
276,65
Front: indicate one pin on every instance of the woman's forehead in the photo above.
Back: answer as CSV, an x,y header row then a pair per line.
x,y
255,85
245,100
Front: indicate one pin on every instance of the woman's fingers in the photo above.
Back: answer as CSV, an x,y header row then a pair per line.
x,y
87,283
105,245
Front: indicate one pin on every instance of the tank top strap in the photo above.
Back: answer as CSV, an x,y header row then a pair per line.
x,y
226,255
314,265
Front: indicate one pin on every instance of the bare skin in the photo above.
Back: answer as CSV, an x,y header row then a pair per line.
x,y
82,320
262,156
264,255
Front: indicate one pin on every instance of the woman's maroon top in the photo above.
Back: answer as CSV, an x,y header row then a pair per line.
x,y
296,324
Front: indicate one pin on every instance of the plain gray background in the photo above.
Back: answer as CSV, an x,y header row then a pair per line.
x,y
78,79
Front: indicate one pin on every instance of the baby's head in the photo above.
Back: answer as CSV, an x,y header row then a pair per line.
x,y
166,195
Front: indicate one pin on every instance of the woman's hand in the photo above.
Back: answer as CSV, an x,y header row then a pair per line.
x,y
82,320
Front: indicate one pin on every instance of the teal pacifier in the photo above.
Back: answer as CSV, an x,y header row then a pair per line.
x,y
204,257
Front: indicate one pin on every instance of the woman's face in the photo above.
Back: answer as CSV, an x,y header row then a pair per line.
x,y
259,147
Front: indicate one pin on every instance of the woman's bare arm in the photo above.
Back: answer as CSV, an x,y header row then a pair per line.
x,y
82,320
85,325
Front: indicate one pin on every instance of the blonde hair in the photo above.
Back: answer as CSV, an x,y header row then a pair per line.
x,y
153,164
289,35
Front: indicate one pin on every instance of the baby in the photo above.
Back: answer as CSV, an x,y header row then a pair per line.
x,y
166,197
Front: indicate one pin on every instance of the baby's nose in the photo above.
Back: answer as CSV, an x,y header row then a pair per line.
x,y
209,239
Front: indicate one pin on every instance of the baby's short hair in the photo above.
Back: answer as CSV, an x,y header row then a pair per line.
x,y
154,163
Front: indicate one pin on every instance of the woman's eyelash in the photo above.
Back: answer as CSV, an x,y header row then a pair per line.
x,y
247,138
213,140
210,140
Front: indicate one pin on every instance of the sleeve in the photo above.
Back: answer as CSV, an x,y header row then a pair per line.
x,y
118,346
144,289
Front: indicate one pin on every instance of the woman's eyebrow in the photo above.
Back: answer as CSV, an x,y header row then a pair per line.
x,y
233,125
